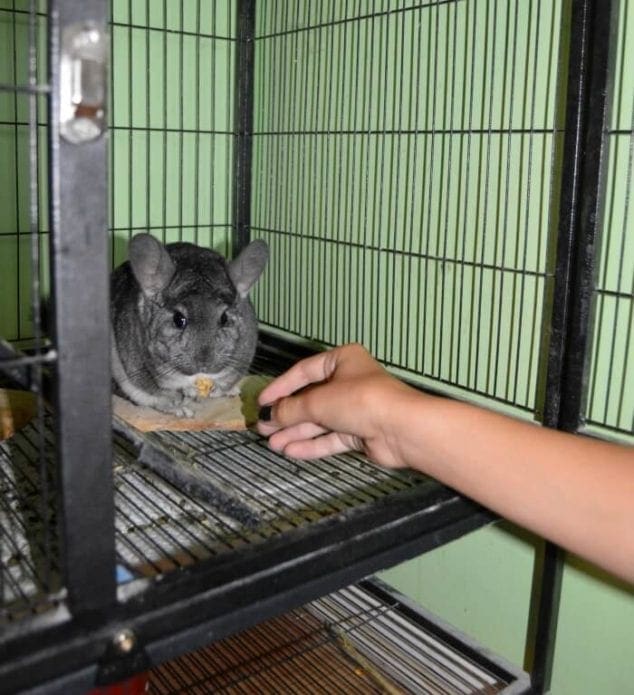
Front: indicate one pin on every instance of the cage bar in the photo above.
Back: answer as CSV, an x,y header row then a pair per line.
x,y
243,116
590,64
609,407
80,284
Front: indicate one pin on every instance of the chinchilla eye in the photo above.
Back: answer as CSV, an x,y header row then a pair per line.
x,y
224,318
180,320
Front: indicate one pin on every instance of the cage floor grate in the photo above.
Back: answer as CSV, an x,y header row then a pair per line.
x,y
350,641
29,543
159,528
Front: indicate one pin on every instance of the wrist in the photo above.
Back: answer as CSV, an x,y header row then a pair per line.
x,y
418,427
397,412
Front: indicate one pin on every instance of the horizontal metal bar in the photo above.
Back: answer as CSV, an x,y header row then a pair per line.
x,y
611,428
198,225
16,365
614,293
14,10
158,129
402,252
359,18
25,89
27,360
180,32
409,131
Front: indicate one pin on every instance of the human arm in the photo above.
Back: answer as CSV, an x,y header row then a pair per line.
x,y
575,491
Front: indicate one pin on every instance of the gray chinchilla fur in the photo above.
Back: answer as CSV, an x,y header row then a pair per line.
x,y
180,312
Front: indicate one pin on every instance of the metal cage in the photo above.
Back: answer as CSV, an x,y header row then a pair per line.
x,y
448,182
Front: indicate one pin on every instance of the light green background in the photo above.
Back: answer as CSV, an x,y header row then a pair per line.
x,y
386,224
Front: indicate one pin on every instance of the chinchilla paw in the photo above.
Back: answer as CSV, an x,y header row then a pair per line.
x,y
191,392
174,406
183,411
221,393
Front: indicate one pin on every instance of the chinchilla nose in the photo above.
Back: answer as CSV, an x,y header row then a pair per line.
x,y
204,355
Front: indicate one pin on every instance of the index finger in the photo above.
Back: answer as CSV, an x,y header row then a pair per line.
x,y
308,371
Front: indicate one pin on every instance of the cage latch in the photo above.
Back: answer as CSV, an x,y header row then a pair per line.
x,y
83,82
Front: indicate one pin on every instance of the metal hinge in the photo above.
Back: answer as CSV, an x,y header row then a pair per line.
x,y
83,72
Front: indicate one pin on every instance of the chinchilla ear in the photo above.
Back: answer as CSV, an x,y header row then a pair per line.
x,y
248,266
151,263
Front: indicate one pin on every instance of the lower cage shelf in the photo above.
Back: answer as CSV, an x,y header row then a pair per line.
x,y
363,639
186,569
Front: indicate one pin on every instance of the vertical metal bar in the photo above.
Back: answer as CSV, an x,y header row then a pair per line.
x,y
197,110
213,137
165,124
37,382
16,153
581,207
131,122
584,161
181,116
243,124
545,609
79,252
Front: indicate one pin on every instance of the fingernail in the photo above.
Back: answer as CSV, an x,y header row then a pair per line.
x,y
265,413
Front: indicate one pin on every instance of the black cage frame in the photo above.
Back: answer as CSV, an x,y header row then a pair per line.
x,y
72,646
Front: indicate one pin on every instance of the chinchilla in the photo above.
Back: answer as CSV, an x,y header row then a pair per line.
x,y
181,312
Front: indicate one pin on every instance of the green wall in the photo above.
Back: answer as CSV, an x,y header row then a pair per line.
x,y
481,584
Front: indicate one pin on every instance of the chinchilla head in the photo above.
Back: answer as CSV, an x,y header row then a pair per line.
x,y
194,306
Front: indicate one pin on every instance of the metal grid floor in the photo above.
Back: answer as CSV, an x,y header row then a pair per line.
x,y
159,527
350,641
30,576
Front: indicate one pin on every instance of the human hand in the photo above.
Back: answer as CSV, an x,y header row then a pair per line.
x,y
333,402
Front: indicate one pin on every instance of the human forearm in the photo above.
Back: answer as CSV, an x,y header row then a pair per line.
x,y
570,489
574,491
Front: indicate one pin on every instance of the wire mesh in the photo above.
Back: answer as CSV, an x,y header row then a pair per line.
x,y
171,122
23,176
30,573
610,403
349,641
159,528
29,542
403,167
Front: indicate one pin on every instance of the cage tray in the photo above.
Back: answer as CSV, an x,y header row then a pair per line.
x,y
365,638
